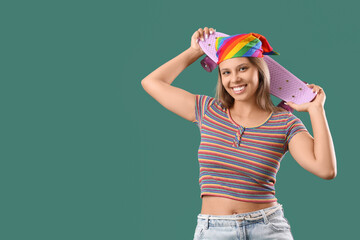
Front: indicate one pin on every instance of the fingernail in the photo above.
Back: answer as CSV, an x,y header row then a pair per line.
x,y
197,40
202,39
285,103
206,36
211,32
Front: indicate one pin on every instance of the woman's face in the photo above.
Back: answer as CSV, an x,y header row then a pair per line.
x,y
239,72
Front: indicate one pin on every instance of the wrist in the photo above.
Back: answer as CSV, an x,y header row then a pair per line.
x,y
194,52
316,109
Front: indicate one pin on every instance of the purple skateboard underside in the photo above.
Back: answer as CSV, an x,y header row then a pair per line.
x,y
283,84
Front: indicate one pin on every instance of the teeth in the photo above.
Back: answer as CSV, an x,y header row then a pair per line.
x,y
239,88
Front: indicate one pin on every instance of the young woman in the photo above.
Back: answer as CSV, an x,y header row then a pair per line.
x,y
243,137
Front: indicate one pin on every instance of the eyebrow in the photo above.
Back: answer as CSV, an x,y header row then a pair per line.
x,y
236,66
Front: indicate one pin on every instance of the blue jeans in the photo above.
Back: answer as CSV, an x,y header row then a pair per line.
x,y
267,223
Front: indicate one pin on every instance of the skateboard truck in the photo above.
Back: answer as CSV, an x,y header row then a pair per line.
x,y
208,64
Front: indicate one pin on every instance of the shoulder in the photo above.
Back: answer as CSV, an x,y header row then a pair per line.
x,y
285,119
285,115
205,100
204,97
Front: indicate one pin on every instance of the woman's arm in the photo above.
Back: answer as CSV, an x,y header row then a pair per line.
x,y
158,83
171,69
323,143
317,155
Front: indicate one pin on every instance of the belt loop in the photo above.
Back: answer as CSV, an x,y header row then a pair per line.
x,y
264,216
207,222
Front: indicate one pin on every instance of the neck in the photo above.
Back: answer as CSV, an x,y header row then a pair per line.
x,y
244,109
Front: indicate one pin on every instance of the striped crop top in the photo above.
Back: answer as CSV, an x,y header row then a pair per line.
x,y
241,163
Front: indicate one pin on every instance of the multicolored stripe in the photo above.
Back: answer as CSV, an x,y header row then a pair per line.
x,y
242,45
238,162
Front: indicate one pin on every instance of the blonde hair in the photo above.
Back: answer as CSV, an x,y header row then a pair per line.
x,y
263,99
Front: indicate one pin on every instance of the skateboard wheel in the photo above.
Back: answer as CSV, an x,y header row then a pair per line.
x,y
208,64
286,107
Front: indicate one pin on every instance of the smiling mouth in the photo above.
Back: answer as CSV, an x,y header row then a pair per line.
x,y
238,89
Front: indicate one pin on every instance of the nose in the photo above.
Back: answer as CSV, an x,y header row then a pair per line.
x,y
236,77
236,80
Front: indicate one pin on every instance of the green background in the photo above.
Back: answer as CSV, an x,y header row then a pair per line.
x,y
86,153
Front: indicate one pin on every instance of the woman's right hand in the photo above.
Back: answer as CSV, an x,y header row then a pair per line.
x,y
198,35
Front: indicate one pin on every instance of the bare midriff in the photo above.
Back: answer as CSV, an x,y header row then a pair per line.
x,y
225,206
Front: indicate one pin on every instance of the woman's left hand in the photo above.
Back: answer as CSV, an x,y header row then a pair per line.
x,y
317,102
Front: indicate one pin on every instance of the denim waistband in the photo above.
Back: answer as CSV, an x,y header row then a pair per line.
x,y
244,216
208,220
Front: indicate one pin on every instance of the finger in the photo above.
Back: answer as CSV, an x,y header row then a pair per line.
x,y
197,36
317,88
206,32
201,32
292,105
311,85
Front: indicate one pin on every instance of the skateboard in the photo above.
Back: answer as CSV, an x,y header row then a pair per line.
x,y
283,84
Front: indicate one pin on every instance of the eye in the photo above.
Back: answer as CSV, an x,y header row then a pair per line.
x,y
228,71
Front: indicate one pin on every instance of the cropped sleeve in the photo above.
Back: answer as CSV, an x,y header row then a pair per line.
x,y
202,103
294,125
